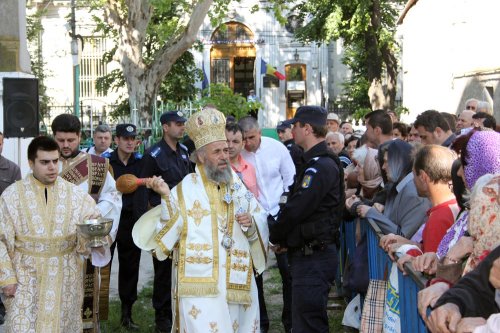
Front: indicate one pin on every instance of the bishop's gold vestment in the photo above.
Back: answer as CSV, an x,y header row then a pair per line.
x,y
39,252
214,257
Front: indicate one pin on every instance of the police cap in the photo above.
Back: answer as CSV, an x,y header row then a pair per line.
x,y
124,130
175,116
314,115
283,125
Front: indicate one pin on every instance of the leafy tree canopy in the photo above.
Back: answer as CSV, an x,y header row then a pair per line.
x,y
367,28
179,84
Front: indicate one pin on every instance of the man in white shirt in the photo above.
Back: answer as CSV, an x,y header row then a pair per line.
x,y
102,141
272,162
275,170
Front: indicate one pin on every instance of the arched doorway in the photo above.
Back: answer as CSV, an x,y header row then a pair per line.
x,y
232,57
295,88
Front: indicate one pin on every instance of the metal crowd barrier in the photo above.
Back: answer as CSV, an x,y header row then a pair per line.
x,y
378,261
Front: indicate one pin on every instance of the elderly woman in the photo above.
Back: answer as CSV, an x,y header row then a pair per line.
x,y
485,205
479,156
404,211
369,175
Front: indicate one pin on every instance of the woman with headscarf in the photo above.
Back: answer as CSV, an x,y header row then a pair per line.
x,y
482,157
475,309
479,156
404,211
369,176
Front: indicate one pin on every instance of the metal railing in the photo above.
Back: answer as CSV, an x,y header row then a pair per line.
x,y
378,260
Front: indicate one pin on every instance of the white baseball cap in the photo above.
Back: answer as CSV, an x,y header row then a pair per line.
x,y
334,117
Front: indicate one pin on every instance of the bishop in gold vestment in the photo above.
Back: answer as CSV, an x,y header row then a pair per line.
x,y
39,253
216,232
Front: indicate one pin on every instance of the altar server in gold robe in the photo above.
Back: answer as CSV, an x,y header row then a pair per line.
x,y
216,232
41,253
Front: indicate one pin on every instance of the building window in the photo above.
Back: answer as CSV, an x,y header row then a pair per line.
x,y
296,73
232,33
293,22
220,71
92,66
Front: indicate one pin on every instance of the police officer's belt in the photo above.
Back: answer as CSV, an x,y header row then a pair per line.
x,y
311,247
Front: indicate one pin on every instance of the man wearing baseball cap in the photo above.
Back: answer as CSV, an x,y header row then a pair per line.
x,y
309,220
333,122
169,159
124,160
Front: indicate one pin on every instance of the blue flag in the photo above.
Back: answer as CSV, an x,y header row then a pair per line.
x,y
204,83
263,66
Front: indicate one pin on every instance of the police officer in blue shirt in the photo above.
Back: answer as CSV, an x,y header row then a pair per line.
x,y
169,159
309,220
124,160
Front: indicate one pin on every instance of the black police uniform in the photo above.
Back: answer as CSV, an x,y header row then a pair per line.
x,y
129,255
172,166
308,226
296,152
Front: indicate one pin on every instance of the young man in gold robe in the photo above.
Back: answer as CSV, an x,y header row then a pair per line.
x,y
91,173
217,232
41,252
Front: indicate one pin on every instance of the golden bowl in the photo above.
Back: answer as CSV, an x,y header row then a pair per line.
x,y
96,230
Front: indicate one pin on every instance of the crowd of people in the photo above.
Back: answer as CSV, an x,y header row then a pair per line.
x,y
218,201
438,208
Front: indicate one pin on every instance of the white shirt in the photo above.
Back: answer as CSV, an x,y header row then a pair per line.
x,y
91,150
274,170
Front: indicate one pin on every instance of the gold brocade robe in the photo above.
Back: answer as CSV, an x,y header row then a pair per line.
x,y
39,253
214,286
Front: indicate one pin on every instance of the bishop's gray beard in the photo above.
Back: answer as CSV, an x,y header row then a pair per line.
x,y
219,176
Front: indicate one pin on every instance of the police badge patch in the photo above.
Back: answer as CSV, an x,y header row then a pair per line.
x,y
306,181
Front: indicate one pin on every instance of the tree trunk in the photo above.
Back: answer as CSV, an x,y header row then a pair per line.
x,y
380,54
391,65
143,80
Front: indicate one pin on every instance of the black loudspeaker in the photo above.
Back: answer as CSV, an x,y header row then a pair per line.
x,y
20,108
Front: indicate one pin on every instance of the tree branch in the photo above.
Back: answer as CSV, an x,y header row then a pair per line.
x,y
112,14
174,48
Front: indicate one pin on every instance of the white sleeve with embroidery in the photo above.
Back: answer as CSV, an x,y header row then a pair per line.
x,y
110,206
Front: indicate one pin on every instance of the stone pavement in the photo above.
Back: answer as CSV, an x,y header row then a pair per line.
x,y
145,276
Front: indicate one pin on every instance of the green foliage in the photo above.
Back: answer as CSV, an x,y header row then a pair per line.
x,y
34,30
225,100
367,28
400,110
179,84
360,113
166,22
217,12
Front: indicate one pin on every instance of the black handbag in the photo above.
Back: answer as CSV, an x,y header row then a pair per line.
x,y
357,276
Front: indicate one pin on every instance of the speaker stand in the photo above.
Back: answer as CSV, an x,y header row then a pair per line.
x,y
19,152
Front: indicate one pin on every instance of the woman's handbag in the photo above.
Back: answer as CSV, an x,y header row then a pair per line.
x,y
372,317
357,277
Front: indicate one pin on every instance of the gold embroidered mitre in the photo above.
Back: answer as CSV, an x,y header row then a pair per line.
x,y
206,126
